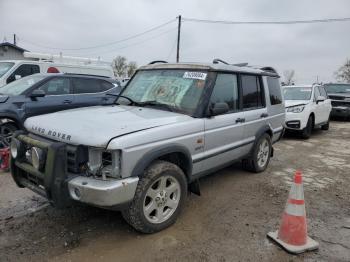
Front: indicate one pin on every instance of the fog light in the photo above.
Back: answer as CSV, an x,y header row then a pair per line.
x,y
15,147
37,157
77,192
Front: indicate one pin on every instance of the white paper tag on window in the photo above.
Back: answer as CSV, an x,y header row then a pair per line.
x,y
195,75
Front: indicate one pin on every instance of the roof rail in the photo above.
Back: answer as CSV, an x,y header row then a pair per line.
x,y
158,61
217,60
241,64
268,69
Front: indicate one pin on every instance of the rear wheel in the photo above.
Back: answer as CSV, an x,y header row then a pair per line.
x,y
260,158
159,198
306,133
6,132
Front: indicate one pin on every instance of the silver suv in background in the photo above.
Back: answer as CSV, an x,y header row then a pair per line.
x,y
172,124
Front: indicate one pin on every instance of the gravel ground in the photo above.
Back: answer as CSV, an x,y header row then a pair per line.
x,y
229,222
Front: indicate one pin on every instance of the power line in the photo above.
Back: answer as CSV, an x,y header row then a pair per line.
x,y
106,44
290,22
135,44
171,50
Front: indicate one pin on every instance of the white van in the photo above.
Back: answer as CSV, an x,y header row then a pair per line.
x,y
11,70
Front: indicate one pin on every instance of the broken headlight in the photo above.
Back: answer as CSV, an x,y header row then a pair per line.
x,y
104,163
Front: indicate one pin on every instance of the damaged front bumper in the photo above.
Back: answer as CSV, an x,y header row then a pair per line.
x,y
57,181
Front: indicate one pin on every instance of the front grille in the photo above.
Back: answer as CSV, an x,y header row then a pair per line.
x,y
340,103
336,97
76,157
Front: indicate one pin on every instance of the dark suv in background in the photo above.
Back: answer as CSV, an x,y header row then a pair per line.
x,y
340,96
46,93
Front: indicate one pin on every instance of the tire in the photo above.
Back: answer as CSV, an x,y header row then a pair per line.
x,y
306,133
325,126
6,132
153,209
254,163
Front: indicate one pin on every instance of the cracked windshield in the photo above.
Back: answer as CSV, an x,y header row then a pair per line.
x,y
179,89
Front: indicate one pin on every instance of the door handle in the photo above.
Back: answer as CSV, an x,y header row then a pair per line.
x,y
67,101
240,120
264,115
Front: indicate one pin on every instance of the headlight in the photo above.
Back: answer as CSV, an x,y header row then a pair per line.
x,y
104,163
16,148
37,155
296,109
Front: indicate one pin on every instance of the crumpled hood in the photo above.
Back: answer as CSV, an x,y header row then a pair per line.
x,y
289,103
96,126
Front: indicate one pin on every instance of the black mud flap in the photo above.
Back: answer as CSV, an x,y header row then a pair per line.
x,y
272,151
194,188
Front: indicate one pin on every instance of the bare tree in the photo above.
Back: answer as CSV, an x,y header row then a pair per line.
x,y
343,73
119,66
132,66
289,77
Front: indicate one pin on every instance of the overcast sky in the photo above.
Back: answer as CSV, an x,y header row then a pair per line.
x,y
310,49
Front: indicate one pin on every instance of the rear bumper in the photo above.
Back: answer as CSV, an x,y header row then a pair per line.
x,y
341,111
62,187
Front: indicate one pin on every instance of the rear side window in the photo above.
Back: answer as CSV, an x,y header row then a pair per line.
x,y
57,86
85,86
252,92
104,85
226,91
274,90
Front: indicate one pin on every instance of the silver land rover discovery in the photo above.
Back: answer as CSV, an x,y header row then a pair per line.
x,y
172,124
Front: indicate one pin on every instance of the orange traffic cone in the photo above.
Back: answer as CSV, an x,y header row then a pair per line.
x,y
292,234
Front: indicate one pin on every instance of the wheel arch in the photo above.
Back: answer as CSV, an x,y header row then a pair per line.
x,y
9,118
266,129
174,153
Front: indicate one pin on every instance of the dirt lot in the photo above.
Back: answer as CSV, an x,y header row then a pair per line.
x,y
228,222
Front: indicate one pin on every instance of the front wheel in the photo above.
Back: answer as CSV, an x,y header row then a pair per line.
x,y
159,198
260,158
325,126
6,132
306,133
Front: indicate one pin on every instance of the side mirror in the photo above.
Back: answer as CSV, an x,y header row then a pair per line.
x,y
18,77
37,93
219,109
320,99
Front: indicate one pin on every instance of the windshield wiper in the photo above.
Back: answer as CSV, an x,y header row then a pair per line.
x,y
156,103
132,102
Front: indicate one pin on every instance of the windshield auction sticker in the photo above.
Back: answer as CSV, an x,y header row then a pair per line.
x,y
195,75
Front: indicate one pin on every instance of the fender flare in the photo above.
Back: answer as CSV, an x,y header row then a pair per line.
x,y
156,153
262,130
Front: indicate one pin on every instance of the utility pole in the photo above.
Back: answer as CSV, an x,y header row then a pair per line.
x,y
178,39
14,39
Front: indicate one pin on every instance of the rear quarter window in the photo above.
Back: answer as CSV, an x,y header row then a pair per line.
x,y
274,90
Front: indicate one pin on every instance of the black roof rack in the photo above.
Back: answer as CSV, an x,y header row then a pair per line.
x,y
217,60
268,69
241,64
158,61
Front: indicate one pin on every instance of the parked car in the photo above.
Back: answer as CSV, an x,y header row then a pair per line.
x,y
340,97
173,123
307,106
46,93
11,70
